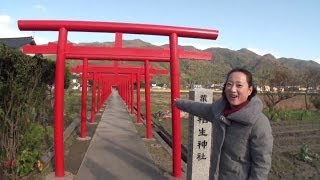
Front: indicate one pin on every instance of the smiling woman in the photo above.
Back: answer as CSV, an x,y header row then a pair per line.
x,y
238,89
242,135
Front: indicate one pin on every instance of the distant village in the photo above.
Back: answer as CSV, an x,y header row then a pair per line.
x,y
76,85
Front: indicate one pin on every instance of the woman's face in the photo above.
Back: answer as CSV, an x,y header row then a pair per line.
x,y
237,88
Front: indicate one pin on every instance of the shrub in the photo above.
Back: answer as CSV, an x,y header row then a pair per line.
x,y
304,153
316,101
26,161
34,137
24,86
274,114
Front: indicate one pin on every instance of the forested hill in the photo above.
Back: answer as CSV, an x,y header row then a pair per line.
x,y
206,73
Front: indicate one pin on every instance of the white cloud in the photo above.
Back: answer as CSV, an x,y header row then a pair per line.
x,y
262,52
40,7
40,40
9,29
317,60
4,19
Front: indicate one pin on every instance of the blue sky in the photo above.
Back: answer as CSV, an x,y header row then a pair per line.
x,y
284,28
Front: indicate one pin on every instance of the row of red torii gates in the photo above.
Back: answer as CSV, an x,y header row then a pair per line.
x,y
122,77
105,76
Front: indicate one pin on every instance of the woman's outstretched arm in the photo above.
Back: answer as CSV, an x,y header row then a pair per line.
x,y
202,110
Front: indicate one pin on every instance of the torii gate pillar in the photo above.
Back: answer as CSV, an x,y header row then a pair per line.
x,y
58,102
175,94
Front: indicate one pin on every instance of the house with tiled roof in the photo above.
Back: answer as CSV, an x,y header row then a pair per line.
x,y
17,42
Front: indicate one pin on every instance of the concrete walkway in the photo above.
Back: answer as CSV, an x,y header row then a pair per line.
x,y
116,151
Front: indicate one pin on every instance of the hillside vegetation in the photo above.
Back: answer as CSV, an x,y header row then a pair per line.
x,y
223,60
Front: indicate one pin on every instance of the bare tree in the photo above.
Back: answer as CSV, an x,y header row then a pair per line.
x,y
310,79
280,78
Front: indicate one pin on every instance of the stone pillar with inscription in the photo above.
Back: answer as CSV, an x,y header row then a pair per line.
x,y
199,145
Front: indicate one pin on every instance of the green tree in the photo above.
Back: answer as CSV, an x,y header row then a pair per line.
x,y
24,87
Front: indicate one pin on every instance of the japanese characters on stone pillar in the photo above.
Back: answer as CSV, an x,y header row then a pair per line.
x,y
199,147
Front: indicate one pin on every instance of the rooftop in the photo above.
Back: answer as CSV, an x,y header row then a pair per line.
x,y
17,42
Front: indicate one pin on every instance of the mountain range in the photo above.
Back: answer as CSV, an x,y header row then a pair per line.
x,y
223,60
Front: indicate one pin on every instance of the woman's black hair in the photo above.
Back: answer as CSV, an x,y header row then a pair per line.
x,y
249,80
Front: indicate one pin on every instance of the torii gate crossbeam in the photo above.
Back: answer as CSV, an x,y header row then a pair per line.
x,y
111,27
119,53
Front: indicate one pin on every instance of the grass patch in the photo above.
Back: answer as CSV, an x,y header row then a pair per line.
x,y
302,115
282,162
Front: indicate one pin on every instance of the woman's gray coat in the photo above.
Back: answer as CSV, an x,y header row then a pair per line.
x,y
242,141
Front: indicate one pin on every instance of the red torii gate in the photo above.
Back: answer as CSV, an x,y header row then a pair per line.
x,y
86,26
124,91
102,53
123,70
123,82
128,54
138,71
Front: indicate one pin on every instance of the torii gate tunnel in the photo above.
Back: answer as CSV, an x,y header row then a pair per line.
x,y
128,54
112,27
116,71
